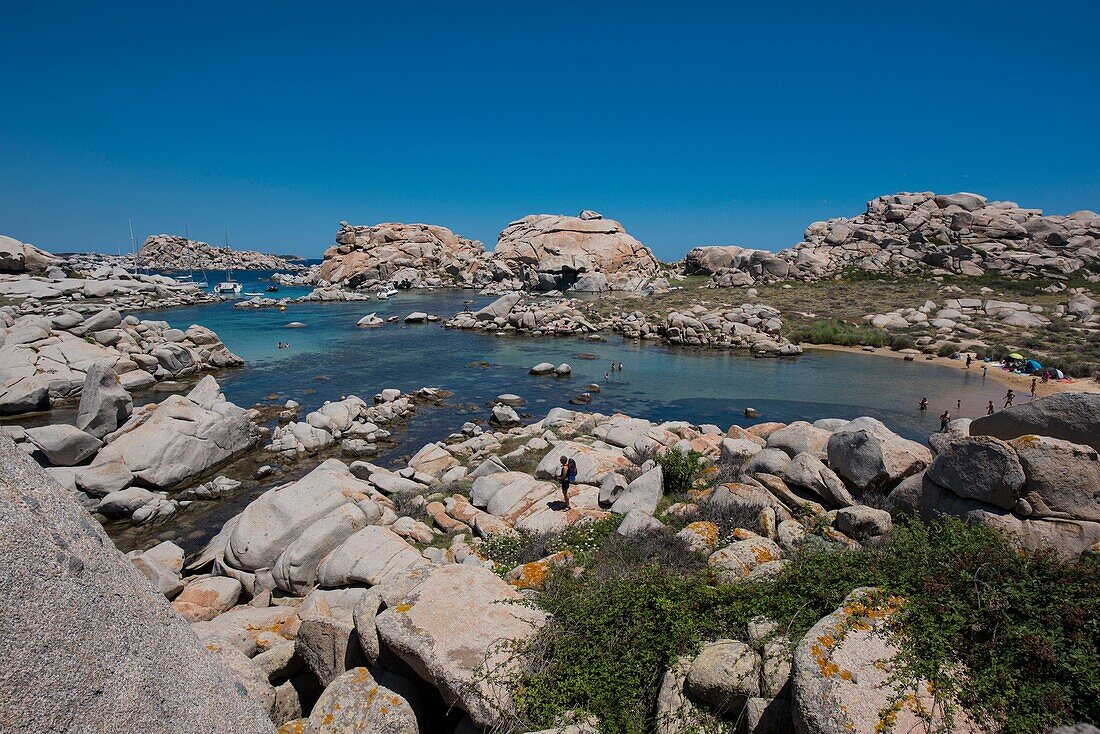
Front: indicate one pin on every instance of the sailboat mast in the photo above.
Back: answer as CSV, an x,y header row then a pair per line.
x,y
228,261
133,244
190,255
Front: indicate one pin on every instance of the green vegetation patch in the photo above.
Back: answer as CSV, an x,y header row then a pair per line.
x,y
1013,638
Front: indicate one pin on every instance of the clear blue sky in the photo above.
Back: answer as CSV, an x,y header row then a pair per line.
x,y
691,123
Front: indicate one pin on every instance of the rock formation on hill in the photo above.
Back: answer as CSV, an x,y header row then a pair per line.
x,y
171,252
960,234
421,254
19,257
585,253
538,252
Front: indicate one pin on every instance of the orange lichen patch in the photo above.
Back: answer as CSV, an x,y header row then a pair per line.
x,y
327,720
278,628
706,531
1029,440
762,554
533,575
297,726
402,608
700,494
827,667
529,575
742,534
361,674
213,648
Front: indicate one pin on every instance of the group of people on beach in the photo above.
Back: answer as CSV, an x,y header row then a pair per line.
x,y
990,409
985,372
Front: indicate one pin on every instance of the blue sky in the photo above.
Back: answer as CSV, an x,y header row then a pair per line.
x,y
692,123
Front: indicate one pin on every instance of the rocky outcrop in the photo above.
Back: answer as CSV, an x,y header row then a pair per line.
x,y
165,444
84,291
555,252
43,358
104,403
754,327
842,681
91,644
1043,492
419,254
1070,416
960,234
510,313
20,257
375,583
454,626
171,252
357,425
734,265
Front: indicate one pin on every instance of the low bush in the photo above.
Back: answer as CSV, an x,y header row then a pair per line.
x,y
509,550
1014,638
835,331
948,350
902,341
680,469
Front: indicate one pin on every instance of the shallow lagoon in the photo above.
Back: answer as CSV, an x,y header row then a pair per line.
x,y
331,357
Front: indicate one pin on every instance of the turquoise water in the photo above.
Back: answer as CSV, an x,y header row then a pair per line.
x,y
332,357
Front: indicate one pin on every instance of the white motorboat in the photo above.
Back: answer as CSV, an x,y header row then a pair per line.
x,y
385,292
228,286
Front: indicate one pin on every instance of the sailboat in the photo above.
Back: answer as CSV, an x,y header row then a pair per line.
x,y
190,278
228,286
133,246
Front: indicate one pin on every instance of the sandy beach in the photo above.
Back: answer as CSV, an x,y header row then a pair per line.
x,y
1020,383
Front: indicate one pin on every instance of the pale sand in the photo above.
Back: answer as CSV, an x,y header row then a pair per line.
x,y
1020,383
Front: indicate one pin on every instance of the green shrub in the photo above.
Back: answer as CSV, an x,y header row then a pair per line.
x,y
948,350
902,341
680,469
1013,637
835,331
509,550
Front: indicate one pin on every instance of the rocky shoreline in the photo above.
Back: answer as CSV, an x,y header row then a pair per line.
x,y
306,598
351,596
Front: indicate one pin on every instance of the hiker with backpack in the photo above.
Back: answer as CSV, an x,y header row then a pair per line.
x,y
568,475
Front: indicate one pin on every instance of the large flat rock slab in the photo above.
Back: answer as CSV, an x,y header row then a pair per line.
x,y
90,645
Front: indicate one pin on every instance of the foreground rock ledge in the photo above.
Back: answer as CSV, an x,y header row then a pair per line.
x,y
89,645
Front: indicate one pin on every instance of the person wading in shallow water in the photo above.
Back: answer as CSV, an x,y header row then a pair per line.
x,y
944,420
924,403
567,475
